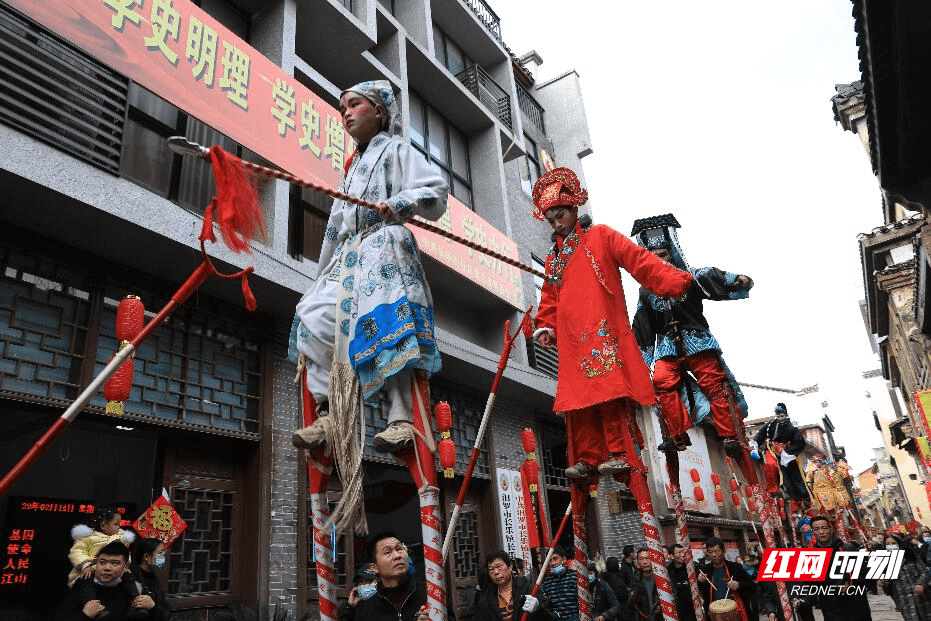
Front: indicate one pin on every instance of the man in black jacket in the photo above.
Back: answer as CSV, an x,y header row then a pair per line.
x,y
678,574
840,607
399,596
111,602
719,578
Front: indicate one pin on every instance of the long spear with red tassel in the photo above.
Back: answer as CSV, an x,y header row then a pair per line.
x,y
524,328
180,144
237,213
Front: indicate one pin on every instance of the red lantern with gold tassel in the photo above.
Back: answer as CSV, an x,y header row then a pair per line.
x,y
735,499
718,494
130,317
698,492
733,485
446,447
537,530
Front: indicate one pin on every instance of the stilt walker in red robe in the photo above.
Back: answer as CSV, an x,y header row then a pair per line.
x,y
602,377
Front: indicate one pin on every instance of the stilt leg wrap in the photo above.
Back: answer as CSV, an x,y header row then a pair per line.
x,y
672,467
323,551
431,528
638,486
580,496
767,518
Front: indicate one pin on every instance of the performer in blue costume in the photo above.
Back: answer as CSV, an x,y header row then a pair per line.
x,y
366,324
674,338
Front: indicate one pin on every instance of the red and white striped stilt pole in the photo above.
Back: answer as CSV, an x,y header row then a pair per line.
x,y
580,495
672,468
637,483
549,556
319,468
422,465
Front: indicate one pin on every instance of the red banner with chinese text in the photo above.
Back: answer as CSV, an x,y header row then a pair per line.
x,y
178,51
489,273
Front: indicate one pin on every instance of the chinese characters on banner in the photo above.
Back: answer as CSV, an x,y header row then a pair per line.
x,y
514,536
501,279
35,544
179,52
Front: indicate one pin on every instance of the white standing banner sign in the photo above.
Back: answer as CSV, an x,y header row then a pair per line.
x,y
516,541
695,458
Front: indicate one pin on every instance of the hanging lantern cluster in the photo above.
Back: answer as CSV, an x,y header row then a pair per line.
x,y
735,497
698,492
718,494
446,447
130,317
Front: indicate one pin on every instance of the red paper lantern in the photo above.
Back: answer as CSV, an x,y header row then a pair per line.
x,y
735,499
699,494
733,485
130,316
447,451
533,472
719,495
695,475
751,505
528,441
748,492
444,416
119,387
715,478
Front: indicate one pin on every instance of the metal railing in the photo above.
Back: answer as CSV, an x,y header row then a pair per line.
x,y
488,17
488,92
530,107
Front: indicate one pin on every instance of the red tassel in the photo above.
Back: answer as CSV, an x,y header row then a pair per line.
x,y
444,416
130,315
527,440
533,474
250,302
206,231
238,213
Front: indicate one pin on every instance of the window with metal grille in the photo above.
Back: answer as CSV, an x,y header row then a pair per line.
x,y
307,222
443,145
59,95
449,53
202,367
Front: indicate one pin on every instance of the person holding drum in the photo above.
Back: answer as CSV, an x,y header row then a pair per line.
x,y
725,586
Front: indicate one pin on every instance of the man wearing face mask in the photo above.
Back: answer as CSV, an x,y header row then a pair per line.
x,y
559,589
925,549
363,588
605,606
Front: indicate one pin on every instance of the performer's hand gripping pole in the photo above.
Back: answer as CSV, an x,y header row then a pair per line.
x,y
549,557
195,280
509,339
180,144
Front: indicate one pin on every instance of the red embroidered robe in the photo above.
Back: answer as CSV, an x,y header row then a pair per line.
x,y
599,359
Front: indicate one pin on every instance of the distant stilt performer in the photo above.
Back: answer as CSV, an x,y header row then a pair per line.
x,y
778,443
675,339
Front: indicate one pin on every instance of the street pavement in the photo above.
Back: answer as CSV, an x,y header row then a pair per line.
x,y
882,608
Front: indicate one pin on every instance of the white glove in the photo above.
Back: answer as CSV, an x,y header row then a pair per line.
x,y
753,445
531,604
786,458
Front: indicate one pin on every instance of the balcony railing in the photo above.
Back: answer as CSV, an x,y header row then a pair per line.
x,y
488,17
531,109
488,92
